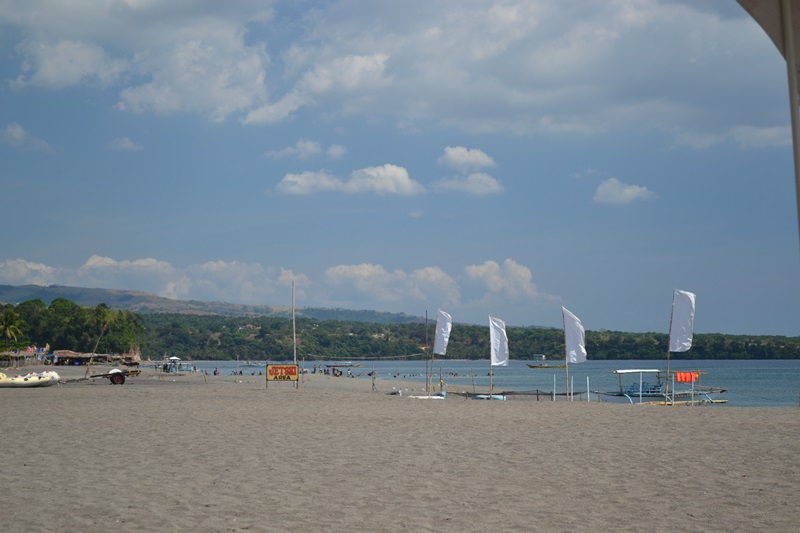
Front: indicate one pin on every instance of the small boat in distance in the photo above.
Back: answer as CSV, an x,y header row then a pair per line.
x,y
650,388
540,361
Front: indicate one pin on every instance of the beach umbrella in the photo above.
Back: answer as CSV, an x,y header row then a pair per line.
x,y
780,19
174,358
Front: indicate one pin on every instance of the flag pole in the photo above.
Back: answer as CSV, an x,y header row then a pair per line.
x,y
669,343
566,356
427,371
491,347
294,329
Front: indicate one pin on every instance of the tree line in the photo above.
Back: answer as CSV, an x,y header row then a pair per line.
x,y
66,325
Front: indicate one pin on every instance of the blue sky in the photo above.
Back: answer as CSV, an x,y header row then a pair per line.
x,y
502,158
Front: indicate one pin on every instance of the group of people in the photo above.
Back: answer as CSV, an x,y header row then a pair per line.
x,y
332,371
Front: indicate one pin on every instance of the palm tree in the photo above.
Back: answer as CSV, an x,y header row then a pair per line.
x,y
10,326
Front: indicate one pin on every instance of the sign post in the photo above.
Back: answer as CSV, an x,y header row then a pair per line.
x,y
282,373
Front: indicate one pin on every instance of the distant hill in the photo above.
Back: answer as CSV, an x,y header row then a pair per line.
x,y
144,303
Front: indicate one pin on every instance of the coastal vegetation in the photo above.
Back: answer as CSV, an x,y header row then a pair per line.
x,y
66,325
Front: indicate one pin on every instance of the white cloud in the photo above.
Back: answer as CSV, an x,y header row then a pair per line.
x,y
386,179
613,191
744,136
68,63
478,184
519,67
216,75
353,286
351,73
759,137
382,180
147,274
304,149
509,280
350,76
698,140
370,279
22,272
336,151
276,112
371,282
220,280
465,159
309,183
186,57
98,262
228,281
16,135
125,144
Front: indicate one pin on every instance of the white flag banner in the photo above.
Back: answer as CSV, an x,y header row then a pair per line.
x,y
682,324
443,326
574,337
499,341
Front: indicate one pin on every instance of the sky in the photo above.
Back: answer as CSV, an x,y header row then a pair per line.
x,y
502,158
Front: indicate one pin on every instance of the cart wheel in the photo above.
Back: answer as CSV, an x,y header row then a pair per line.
x,y
117,379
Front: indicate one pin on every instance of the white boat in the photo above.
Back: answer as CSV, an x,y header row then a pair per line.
x,y
486,396
31,379
648,386
540,361
438,396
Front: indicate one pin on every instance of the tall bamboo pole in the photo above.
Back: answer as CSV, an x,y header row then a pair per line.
x,y
566,357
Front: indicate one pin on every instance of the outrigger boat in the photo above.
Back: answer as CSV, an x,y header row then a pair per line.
x,y
650,388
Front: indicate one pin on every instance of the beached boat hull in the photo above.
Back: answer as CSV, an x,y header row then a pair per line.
x,y
29,380
487,397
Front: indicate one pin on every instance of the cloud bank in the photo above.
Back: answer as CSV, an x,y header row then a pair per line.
x,y
355,286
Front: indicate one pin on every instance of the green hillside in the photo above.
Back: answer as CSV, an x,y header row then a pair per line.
x,y
146,303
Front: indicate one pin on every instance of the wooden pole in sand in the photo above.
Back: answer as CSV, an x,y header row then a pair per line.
x,y
89,364
491,374
294,337
669,344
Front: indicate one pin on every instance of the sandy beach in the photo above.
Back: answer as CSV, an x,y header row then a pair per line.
x,y
222,453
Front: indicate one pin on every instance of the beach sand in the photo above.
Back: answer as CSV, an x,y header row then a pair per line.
x,y
196,453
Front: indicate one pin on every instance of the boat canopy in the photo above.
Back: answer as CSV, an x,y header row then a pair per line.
x,y
636,371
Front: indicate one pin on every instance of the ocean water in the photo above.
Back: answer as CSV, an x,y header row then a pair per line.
x,y
750,383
